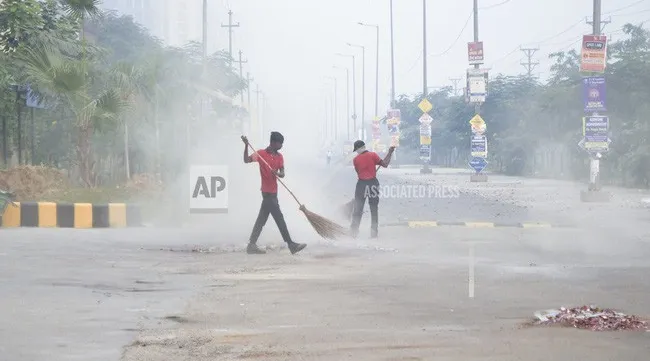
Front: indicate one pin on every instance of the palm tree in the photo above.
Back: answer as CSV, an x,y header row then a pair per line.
x,y
89,99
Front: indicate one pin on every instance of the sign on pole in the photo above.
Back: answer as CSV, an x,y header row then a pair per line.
x,y
209,189
425,119
393,122
595,129
594,94
478,164
425,106
478,125
594,53
479,146
475,53
477,85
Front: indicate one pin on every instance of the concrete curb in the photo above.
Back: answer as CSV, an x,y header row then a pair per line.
x,y
71,215
429,224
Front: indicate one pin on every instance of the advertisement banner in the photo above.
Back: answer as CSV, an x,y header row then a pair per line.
x,y
595,130
594,94
479,146
594,53
475,53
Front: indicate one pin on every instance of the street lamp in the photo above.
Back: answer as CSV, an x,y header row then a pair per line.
x,y
336,110
354,91
347,97
376,68
363,88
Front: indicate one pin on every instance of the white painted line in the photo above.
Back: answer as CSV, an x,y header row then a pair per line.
x,y
471,271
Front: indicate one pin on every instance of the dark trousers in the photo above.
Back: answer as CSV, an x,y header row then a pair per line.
x,y
366,189
270,206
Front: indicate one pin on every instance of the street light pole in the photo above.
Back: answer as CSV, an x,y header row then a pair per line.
x,y
354,93
363,90
347,97
392,60
376,69
336,109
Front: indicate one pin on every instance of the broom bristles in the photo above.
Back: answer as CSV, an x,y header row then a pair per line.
x,y
325,227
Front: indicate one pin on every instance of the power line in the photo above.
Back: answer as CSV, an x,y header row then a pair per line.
x,y
624,7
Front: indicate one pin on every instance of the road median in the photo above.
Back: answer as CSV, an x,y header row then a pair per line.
x,y
71,215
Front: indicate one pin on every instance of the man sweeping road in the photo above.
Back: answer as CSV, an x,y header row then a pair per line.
x,y
365,164
271,165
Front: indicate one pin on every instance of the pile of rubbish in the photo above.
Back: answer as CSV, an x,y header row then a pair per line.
x,y
30,182
590,318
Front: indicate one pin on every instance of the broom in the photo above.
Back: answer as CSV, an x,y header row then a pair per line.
x,y
323,226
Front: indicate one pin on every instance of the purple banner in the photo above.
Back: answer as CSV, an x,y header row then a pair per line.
x,y
594,94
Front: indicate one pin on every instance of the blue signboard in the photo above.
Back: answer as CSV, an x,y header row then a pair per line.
x,y
594,94
478,164
425,151
479,146
31,100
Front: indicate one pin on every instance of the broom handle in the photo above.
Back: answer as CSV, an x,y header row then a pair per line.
x,y
278,178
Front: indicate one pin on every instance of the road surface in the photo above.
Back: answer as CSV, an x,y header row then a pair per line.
x,y
192,293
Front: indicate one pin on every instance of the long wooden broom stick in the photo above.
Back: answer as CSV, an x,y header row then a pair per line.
x,y
323,226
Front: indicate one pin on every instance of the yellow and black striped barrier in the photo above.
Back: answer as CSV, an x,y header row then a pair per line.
x,y
71,215
428,224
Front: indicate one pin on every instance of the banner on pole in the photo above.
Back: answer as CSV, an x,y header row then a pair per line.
x,y
594,94
594,54
595,129
475,52
479,146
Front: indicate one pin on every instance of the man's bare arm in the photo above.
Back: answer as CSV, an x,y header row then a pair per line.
x,y
386,161
247,158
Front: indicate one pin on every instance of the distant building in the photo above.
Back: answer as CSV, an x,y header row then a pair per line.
x,y
176,22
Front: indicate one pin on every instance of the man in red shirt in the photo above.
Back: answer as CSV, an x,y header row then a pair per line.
x,y
271,165
365,163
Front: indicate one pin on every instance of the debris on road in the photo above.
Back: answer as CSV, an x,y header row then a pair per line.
x,y
590,318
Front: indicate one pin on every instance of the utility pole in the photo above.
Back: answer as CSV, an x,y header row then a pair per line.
x,y
529,64
593,192
603,23
392,60
241,71
477,108
478,135
249,80
455,81
230,27
257,111
425,89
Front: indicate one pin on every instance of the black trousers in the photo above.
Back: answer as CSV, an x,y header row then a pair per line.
x,y
270,206
366,189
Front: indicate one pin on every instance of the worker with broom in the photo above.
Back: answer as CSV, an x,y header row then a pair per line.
x,y
271,165
367,186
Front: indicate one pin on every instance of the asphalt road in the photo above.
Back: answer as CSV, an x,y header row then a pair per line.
x,y
193,294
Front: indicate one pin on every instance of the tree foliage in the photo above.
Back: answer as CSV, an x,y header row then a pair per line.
x,y
534,128
107,89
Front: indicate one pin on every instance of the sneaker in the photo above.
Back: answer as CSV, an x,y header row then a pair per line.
x,y
296,247
253,249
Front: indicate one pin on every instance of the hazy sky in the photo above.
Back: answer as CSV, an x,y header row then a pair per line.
x,y
290,45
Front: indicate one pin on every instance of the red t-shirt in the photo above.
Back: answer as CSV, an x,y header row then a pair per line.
x,y
366,165
276,161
